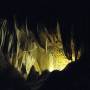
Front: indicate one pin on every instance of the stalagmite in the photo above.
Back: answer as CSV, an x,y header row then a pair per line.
x,y
30,53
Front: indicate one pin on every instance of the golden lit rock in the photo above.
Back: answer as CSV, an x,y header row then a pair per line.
x,y
30,53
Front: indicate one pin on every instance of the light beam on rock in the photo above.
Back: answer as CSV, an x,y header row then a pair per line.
x,y
29,52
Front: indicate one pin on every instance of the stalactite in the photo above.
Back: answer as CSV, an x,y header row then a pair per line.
x,y
30,53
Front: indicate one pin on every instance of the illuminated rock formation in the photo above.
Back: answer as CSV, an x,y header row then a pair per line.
x,y
30,53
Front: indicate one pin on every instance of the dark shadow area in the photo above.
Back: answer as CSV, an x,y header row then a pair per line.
x,y
75,77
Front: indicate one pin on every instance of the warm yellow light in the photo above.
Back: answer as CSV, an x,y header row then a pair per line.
x,y
30,53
